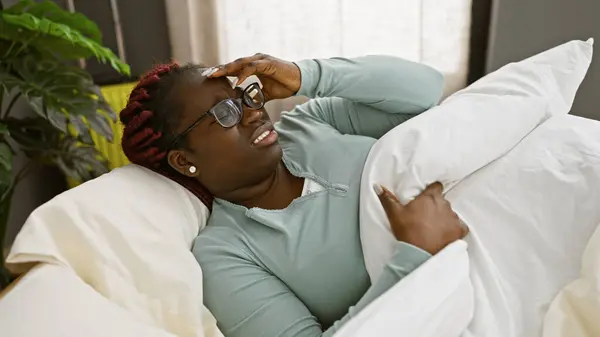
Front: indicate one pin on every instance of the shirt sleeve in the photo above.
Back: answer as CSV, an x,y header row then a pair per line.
x,y
368,95
247,300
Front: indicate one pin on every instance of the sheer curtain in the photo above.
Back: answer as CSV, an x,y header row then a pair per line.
x,y
435,32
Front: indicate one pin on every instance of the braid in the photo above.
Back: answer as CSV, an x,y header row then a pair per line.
x,y
149,118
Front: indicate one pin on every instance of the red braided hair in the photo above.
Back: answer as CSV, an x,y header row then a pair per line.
x,y
147,126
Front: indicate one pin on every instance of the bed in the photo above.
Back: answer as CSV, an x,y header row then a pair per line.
x,y
509,157
51,300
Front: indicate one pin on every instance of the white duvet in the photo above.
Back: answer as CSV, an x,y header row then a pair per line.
x,y
523,175
531,214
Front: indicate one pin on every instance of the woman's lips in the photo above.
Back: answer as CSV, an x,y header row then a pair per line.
x,y
266,138
261,133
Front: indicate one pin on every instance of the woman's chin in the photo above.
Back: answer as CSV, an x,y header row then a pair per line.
x,y
275,154
269,159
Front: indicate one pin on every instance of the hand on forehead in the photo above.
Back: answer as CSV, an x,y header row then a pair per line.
x,y
210,71
200,94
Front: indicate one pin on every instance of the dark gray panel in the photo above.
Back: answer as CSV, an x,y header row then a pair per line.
x,y
521,28
99,11
145,32
478,43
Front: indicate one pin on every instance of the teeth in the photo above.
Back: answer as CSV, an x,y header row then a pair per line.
x,y
261,136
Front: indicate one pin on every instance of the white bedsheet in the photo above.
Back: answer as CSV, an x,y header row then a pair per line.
x,y
531,213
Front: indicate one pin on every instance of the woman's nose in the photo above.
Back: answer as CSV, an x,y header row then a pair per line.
x,y
251,116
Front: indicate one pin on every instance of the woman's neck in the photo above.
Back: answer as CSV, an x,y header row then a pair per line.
x,y
276,191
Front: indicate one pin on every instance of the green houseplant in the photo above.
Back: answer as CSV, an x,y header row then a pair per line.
x,y
40,44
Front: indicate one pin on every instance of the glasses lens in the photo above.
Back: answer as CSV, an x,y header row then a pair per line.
x,y
228,113
253,96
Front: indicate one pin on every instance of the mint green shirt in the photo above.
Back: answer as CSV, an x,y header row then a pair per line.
x,y
299,271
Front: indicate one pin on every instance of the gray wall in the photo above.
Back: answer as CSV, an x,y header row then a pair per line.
x,y
40,184
521,28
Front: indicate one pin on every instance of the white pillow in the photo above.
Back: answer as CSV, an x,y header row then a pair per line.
x,y
127,234
449,143
467,131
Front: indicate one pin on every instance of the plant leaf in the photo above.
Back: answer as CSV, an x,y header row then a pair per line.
x,y
47,145
5,157
34,135
5,202
5,167
50,10
51,37
18,7
81,161
100,124
3,130
8,81
81,129
104,106
60,93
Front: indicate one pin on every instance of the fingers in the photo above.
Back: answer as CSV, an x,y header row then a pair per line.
x,y
435,189
234,68
462,227
383,191
465,229
254,67
388,200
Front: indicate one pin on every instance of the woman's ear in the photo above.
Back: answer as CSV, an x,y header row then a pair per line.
x,y
178,161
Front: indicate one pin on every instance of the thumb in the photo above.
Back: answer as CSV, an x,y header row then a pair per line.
x,y
435,188
388,200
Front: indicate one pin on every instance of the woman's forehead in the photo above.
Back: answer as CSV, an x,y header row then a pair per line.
x,y
202,94
207,86
198,77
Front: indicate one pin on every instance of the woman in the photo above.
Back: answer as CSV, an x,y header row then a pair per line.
x,y
281,253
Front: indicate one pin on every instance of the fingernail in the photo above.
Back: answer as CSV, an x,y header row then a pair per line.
x,y
205,72
232,82
209,71
378,189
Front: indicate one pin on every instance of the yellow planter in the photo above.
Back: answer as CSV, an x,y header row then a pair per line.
x,y
116,96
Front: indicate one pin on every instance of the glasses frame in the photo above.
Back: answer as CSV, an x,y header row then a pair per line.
x,y
236,101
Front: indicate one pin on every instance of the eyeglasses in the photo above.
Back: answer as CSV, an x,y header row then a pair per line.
x,y
229,112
